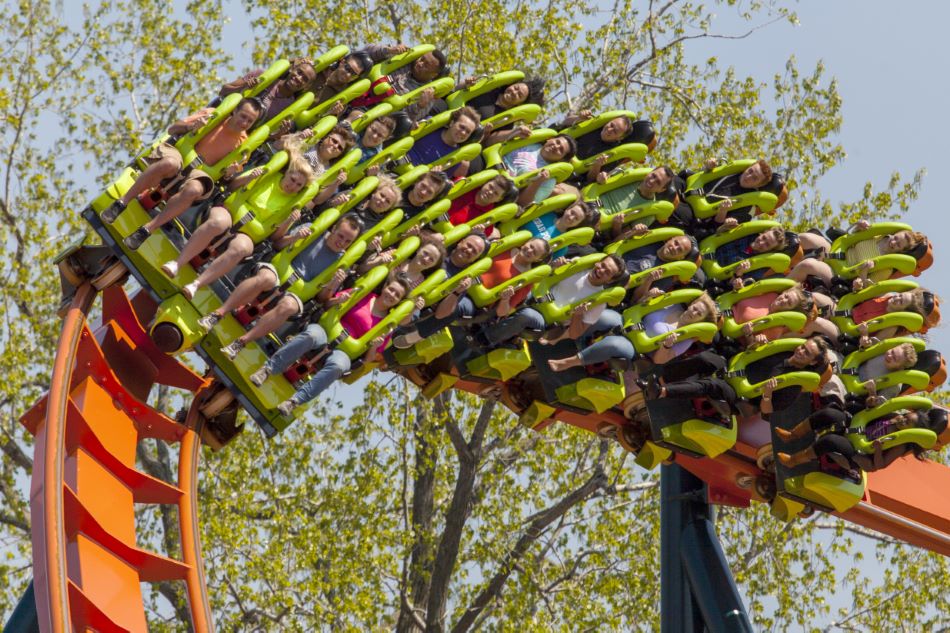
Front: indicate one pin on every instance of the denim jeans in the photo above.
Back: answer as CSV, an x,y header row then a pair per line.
x,y
335,365
430,325
608,320
607,348
513,325
310,339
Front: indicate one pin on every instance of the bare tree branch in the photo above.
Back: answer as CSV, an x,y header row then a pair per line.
x,y
469,454
416,584
538,523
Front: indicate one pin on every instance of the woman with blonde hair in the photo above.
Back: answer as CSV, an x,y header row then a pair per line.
x,y
270,201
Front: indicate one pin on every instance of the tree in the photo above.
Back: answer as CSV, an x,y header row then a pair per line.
x,y
411,514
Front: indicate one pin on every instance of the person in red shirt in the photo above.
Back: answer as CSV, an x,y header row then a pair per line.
x,y
918,300
165,162
477,202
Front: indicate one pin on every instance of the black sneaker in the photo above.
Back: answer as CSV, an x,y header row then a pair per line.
x,y
112,212
136,239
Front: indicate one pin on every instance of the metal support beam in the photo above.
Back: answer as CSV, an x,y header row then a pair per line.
x,y
697,591
24,619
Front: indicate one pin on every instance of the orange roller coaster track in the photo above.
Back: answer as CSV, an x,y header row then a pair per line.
x,y
87,564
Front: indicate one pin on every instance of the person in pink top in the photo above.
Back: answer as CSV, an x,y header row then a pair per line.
x,y
359,320
794,299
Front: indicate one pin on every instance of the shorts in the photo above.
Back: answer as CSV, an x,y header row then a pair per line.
x,y
299,303
258,267
169,151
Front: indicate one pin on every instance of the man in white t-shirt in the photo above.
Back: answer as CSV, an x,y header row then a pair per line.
x,y
588,320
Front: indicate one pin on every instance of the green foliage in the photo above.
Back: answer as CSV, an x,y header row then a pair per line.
x,y
343,522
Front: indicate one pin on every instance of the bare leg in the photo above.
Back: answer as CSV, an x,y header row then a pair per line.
x,y
799,458
799,430
152,177
176,205
219,220
810,241
239,248
565,363
823,300
272,320
247,290
807,267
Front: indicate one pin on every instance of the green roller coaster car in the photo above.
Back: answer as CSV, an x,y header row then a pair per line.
x,y
843,260
739,364
504,362
910,321
590,394
177,318
683,270
773,263
468,151
792,321
675,424
485,84
644,343
356,347
620,194
763,200
145,262
911,379
635,152
925,438
552,313
394,63
825,490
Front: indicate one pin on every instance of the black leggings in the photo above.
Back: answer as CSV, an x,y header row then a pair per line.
x,y
705,363
829,418
834,443
713,388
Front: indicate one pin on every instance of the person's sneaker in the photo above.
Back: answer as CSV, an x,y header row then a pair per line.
x,y
189,290
287,407
259,376
407,340
170,269
208,321
232,349
112,212
136,239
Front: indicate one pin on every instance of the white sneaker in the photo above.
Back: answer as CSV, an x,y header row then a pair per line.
x,y
208,321
259,376
189,290
232,349
170,269
287,407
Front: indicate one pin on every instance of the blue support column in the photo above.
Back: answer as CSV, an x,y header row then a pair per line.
x,y
24,619
678,612
697,590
